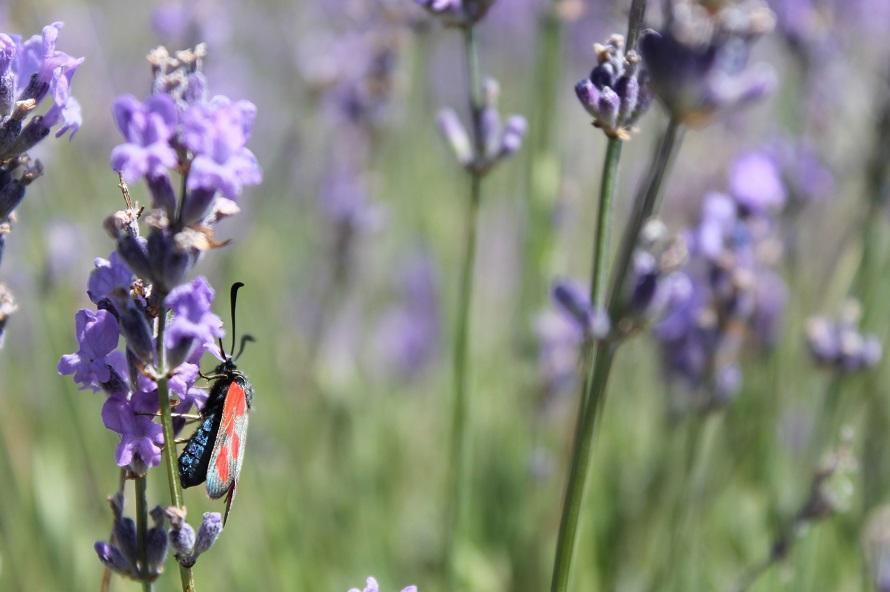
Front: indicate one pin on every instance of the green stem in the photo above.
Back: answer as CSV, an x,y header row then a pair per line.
x,y
169,456
604,223
597,380
458,454
142,529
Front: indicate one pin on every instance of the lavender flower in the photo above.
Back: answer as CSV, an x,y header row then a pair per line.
x,y
143,283
371,585
97,336
697,62
496,141
187,545
839,345
457,13
121,555
148,128
409,333
617,91
726,293
572,301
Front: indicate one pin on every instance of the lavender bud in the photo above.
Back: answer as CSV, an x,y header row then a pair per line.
x,y
11,195
134,250
156,543
514,133
454,133
36,89
169,262
162,195
34,132
572,300
182,537
210,529
137,332
197,205
113,559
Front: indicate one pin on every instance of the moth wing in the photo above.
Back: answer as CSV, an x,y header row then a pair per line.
x,y
228,450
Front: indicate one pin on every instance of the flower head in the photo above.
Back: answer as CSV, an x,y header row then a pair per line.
x,y
217,133
697,62
194,324
110,279
371,585
141,437
97,336
617,91
147,128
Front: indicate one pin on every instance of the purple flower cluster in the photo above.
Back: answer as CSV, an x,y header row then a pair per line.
x,y
188,545
726,292
408,335
32,73
371,585
493,139
457,13
697,62
150,324
616,94
840,345
121,553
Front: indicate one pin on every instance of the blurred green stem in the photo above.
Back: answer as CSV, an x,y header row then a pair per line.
x,y
597,377
169,456
542,170
604,223
458,461
139,482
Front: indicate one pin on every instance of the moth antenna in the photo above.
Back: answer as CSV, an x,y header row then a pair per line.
x,y
244,340
234,299
222,350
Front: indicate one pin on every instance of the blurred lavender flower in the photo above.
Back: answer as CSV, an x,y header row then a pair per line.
x,y
496,141
30,71
839,345
121,554
697,63
457,13
617,91
805,175
572,300
726,292
409,333
371,585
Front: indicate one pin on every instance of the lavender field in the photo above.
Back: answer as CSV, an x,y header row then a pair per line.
x,y
562,295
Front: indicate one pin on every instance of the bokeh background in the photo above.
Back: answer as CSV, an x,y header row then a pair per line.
x,y
350,251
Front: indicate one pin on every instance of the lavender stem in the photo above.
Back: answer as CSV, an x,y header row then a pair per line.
x,y
185,573
597,379
458,459
141,528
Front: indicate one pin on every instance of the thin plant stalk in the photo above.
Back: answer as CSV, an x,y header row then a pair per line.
x,y
604,223
169,456
458,453
596,381
140,486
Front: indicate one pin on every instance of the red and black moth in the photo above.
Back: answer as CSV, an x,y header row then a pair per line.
x,y
215,452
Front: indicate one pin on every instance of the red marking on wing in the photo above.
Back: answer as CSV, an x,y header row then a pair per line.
x,y
234,407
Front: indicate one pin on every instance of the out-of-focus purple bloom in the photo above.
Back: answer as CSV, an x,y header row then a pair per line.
x,y
572,301
194,324
494,140
147,128
371,585
839,344
726,293
141,436
122,555
755,184
617,91
806,176
559,341
97,336
697,62
217,132
457,13
408,335
111,279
